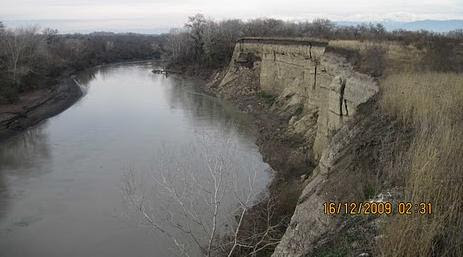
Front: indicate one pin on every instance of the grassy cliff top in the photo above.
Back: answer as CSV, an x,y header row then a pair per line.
x,y
283,41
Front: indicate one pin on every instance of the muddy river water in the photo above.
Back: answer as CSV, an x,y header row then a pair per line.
x,y
62,182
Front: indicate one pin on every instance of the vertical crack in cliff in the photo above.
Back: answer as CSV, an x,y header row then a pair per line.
x,y
316,62
341,96
315,77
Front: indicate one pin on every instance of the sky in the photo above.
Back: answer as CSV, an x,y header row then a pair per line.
x,y
139,15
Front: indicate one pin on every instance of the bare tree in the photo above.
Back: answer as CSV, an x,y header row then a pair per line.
x,y
20,44
322,27
179,45
196,26
201,209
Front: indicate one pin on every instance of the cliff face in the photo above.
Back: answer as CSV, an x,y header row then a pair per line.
x,y
320,93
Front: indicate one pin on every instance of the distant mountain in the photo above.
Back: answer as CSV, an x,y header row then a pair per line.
x,y
431,25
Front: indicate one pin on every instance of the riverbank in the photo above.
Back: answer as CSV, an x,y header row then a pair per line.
x,y
284,152
36,106
32,107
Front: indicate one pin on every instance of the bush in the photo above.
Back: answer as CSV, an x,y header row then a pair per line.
x,y
266,97
373,60
441,55
9,93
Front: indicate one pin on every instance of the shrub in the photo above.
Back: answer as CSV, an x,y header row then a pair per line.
x,y
373,60
9,93
441,55
266,97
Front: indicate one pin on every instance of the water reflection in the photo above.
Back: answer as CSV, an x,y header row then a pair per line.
x,y
25,151
86,76
205,110
22,157
4,196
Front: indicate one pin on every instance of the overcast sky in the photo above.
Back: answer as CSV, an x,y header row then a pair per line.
x,y
173,13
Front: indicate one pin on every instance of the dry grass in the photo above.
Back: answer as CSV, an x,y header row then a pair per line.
x,y
432,103
424,98
399,58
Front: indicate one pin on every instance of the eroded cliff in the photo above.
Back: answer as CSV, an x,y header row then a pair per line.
x,y
319,95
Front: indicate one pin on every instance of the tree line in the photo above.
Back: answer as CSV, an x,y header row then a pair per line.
x,y
32,58
208,43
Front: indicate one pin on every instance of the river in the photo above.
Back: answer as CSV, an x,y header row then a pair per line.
x,y
63,183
